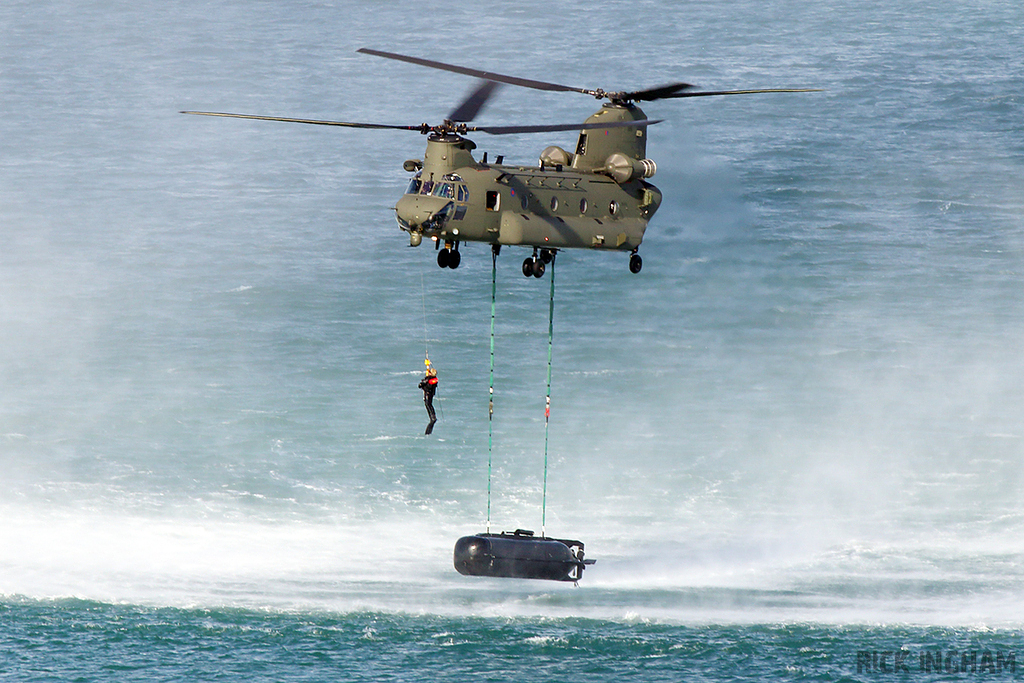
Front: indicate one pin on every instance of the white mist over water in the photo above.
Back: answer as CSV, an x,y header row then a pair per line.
x,y
807,406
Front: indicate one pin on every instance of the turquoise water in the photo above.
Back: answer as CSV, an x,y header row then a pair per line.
x,y
75,640
794,438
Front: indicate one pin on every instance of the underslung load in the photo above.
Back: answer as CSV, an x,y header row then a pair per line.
x,y
520,555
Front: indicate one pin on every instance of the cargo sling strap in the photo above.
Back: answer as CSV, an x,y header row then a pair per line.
x,y
547,399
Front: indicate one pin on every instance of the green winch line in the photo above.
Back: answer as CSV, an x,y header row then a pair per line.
x,y
547,404
423,294
490,402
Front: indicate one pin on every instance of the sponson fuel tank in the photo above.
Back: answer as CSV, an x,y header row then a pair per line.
x,y
520,555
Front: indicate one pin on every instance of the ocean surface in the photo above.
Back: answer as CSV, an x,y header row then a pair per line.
x,y
793,443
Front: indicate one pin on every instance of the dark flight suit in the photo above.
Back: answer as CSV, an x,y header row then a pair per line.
x,y
429,385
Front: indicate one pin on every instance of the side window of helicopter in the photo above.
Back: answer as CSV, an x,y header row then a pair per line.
x,y
428,187
583,205
414,185
492,200
613,208
463,193
581,146
554,204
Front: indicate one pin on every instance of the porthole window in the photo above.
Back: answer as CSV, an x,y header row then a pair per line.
x,y
583,205
554,203
613,208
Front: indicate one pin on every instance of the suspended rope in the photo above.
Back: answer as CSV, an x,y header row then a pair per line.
x,y
547,400
547,403
490,402
423,293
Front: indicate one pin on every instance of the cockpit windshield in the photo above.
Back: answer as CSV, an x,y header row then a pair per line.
x,y
446,190
414,185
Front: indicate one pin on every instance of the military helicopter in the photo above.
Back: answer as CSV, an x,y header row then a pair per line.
x,y
596,197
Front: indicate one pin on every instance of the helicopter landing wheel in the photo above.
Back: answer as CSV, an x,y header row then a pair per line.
x,y
635,263
528,267
443,258
454,259
546,255
538,267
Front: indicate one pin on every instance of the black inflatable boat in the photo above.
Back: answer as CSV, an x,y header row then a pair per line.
x,y
520,555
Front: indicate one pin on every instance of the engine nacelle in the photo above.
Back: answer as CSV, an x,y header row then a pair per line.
x,y
622,169
555,156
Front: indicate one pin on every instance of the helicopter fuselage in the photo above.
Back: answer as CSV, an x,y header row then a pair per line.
x,y
595,198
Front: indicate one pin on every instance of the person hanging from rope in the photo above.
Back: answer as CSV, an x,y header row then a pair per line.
x,y
429,385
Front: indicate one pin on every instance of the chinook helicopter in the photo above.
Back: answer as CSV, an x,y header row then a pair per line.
x,y
596,197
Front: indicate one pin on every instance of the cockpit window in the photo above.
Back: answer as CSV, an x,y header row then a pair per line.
x,y
446,190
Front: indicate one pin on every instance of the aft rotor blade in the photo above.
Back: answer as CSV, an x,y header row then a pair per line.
x,y
472,105
347,124
658,93
710,93
486,75
551,128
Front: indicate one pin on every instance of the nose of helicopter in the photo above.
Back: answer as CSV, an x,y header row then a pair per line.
x,y
423,212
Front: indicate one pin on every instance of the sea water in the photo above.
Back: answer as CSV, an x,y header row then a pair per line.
x,y
793,443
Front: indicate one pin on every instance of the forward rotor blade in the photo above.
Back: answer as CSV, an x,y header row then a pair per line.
x,y
424,128
486,75
472,105
711,93
552,128
419,129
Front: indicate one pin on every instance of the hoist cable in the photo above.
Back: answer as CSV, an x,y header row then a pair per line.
x,y
423,293
547,403
490,402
